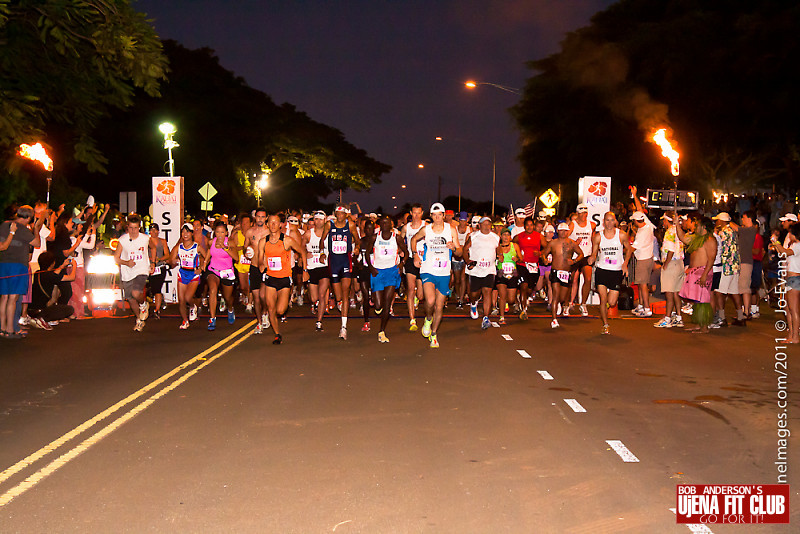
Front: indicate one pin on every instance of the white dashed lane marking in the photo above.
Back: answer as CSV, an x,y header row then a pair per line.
x,y
524,353
496,325
507,337
697,528
545,375
622,450
575,405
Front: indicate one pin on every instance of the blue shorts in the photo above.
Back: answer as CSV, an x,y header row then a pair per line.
x,y
341,267
187,276
386,278
442,283
13,279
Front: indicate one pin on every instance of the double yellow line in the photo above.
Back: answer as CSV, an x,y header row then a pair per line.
x,y
225,344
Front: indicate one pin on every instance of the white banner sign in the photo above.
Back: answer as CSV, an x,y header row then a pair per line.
x,y
595,192
168,214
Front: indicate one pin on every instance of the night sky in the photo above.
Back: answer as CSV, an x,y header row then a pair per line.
x,y
389,75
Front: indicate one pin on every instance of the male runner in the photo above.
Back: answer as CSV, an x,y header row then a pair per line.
x,y
133,257
383,259
274,253
253,237
340,237
459,273
319,276
530,244
519,223
563,250
611,252
440,242
581,231
414,292
480,253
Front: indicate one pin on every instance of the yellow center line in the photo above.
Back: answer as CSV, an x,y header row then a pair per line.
x,y
52,446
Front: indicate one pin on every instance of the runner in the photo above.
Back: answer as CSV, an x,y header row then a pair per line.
x,y
530,245
133,257
563,250
274,253
253,237
414,292
187,255
384,262
581,231
159,252
219,264
459,274
341,238
440,242
643,250
319,276
480,253
611,252
702,250
519,223
243,263
294,231
507,278
362,270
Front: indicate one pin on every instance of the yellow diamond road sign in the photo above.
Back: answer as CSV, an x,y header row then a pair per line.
x,y
549,198
207,191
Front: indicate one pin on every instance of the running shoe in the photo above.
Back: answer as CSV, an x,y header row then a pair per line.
x,y
352,304
567,310
558,309
318,327
212,324
382,337
313,308
605,331
665,322
300,299
501,320
554,323
193,313
647,312
434,341
677,321
144,310
231,316
687,308
473,311
343,333
248,308
426,328
258,329
412,325
139,325
460,305
485,323
278,339
24,320
265,322
184,325
495,311
584,311
638,310
523,316
365,328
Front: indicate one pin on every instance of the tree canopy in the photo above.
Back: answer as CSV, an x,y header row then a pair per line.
x,y
719,74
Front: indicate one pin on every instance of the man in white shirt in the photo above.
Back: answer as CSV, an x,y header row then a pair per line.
x,y
672,274
133,257
643,251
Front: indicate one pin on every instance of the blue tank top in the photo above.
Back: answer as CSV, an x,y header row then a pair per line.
x,y
340,240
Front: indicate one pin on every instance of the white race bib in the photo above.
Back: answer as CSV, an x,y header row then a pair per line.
x,y
508,269
274,263
244,260
563,276
226,274
533,268
156,271
339,247
484,264
610,261
441,263
313,261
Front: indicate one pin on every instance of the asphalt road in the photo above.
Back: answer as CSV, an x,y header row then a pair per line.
x,y
105,430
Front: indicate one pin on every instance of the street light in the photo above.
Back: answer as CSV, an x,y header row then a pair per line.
x,y
261,184
472,84
168,129
494,164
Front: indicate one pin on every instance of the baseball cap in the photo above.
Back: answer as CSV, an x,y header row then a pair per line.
x,y
563,226
319,215
519,212
483,219
789,217
583,208
638,216
449,212
723,216
437,208
292,220
463,216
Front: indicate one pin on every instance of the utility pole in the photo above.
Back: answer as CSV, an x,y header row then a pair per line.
x,y
439,193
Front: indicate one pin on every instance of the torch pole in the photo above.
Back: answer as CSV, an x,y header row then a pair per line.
x,y
49,179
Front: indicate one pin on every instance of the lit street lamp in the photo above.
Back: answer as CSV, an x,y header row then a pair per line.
x,y
261,184
471,84
168,129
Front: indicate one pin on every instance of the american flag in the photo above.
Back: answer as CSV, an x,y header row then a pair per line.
x,y
530,211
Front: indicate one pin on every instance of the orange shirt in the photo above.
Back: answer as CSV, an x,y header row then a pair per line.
x,y
277,259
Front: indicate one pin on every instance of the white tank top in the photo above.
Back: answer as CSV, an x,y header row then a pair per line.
x,y
462,238
436,254
312,247
611,255
793,261
582,235
385,253
410,233
483,249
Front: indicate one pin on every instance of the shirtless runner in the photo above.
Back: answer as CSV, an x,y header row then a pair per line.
x,y
252,237
566,253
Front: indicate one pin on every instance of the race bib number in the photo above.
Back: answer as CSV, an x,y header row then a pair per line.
x,y
313,261
441,263
136,256
508,269
226,274
187,263
563,276
484,264
274,263
157,271
339,247
533,268
244,260
249,253
610,261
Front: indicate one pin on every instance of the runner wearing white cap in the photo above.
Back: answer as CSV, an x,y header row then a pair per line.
x,y
480,253
519,223
440,241
319,276
414,292
581,231
563,249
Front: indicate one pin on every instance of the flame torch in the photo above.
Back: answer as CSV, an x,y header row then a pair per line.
x,y
667,150
38,153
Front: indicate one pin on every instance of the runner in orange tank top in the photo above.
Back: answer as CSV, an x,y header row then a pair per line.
x,y
274,259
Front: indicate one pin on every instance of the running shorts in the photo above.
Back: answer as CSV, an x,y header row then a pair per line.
x,y
136,284
278,283
612,280
340,266
385,278
187,276
255,278
476,283
556,280
317,274
410,268
441,283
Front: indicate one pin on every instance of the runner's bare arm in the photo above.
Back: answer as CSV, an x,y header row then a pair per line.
x,y
356,239
457,249
401,245
595,248
465,249
262,243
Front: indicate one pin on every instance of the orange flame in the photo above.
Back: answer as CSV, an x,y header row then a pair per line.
x,y
36,153
660,138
